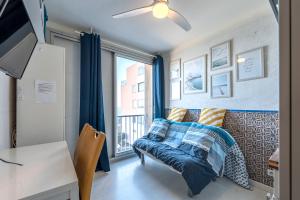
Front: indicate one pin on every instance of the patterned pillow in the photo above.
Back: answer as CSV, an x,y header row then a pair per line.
x,y
177,114
158,129
175,133
198,137
212,116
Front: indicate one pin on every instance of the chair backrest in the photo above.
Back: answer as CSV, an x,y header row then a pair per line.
x,y
86,156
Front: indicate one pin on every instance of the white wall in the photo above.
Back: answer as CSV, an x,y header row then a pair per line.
x,y
72,76
7,109
260,94
33,125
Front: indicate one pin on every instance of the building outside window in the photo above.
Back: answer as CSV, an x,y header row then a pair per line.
x,y
140,103
134,88
134,104
141,70
141,87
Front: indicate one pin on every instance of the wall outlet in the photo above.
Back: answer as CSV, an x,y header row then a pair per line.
x,y
270,172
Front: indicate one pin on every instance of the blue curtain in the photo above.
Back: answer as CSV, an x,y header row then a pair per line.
x,y
158,88
91,97
45,20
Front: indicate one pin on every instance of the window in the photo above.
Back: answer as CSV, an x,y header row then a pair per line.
x,y
141,87
123,83
134,104
133,107
134,88
141,70
141,103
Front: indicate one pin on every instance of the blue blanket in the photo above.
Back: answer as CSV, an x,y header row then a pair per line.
x,y
198,166
196,171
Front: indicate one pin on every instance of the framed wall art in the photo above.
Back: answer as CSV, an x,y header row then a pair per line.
x,y
175,69
221,85
194,75
221,55
250,64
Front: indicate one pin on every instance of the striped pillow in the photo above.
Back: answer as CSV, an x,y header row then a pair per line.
x,y
158,129
175,133
212,116
199,138
177,114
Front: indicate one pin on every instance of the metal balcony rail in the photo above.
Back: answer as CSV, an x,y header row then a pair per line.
x,y
129,129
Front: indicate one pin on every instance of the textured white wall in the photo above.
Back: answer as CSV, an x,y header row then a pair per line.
x,y
7,109
260,94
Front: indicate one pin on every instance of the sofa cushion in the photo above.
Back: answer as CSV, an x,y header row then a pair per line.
x,y
175,133
158,129
177,114
198,137
212,116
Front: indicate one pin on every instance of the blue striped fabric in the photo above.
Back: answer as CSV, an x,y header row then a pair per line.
x,y
175,133
158,129
217,147
216,158
218,130
198,138
224,155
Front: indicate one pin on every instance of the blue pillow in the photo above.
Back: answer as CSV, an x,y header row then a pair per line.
x,y
175,133
158,129
198,137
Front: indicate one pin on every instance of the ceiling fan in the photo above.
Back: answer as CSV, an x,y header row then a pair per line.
x,y
160,9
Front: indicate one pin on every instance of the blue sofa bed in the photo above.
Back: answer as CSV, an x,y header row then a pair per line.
x,y
198,152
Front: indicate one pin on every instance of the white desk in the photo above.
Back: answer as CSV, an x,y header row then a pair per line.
x,y
47,173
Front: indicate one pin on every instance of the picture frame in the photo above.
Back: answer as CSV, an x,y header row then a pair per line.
x,y
175,90
220,55
194,75
221,85
175,69
250,64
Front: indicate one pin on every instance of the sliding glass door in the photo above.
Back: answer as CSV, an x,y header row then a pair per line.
x,y
133,102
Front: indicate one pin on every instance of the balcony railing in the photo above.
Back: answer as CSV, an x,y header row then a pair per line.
x,y
129,129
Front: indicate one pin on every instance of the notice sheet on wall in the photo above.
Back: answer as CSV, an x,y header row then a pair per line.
x,y
45,91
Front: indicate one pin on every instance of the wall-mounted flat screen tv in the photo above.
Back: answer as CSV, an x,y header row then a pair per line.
x,y
17,38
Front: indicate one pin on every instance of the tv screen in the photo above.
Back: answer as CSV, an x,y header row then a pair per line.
x,y
17,38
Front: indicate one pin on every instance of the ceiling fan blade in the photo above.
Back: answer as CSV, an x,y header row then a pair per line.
x,y
134,12
179,20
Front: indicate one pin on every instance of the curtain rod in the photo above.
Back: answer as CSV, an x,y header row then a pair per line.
x,y
118,45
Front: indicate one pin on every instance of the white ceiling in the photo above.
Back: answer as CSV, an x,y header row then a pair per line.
x,y
150,34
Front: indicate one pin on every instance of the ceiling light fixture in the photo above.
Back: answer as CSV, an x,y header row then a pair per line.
x,y
160,10
241,60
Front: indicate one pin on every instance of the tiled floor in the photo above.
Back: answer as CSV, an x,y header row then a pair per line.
x,y
129,180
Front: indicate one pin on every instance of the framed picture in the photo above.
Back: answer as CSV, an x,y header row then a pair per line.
x,y
194,75
175,90
175,70
220,55
221,85
250,64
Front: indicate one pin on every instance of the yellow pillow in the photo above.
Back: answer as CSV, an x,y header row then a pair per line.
x,y
177,114
212,116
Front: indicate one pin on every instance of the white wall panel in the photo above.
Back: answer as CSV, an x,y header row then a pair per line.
x,y
7,109
39,123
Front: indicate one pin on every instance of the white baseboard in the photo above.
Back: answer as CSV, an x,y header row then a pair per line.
x,y
122,157
261,186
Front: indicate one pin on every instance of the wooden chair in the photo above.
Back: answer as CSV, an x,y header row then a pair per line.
x,y
88,149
